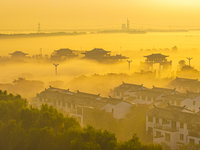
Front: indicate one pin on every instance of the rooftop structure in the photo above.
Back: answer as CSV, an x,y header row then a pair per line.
x,y
173,126
18,54
156,58
184,84
74,104
101,55
63,54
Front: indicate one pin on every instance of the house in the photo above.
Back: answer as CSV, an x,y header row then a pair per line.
x,y
157,58
77,104
183,84
126,90
101,55
63,54
18,55
148,97
173,126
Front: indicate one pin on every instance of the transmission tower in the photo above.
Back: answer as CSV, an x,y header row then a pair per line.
x,y
129,64
38,27
189,58
128,24
55,68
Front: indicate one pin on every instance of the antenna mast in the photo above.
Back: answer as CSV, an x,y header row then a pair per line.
x,y
189,58
55,68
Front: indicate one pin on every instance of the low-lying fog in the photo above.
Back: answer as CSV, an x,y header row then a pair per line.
x,y
91,76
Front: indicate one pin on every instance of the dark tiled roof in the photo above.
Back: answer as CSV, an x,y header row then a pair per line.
x,y
175,114
149,93
127,86
163,90
175,97
18,53
156,55
192,95
185,82
79,98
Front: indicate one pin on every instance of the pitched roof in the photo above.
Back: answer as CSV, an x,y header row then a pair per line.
x,y
18,53
149,93
163,90
192,95
97,50
174,97
79,98
175,114
127,86
185,82
155,55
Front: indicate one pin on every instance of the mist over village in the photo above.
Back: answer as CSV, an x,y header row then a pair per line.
x,y
95,75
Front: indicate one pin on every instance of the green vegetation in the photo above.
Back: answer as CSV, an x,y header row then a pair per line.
x,y
135,122
46,129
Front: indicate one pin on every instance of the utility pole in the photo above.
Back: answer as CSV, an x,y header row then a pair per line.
x,y
129,64
38,27
55,68
128,24
189,58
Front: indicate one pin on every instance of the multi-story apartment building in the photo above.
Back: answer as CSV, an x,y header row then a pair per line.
x,y
173,126
77,104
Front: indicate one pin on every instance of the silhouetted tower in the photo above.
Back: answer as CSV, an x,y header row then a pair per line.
x,y
189,58
38,27
129,64
55,68
128,24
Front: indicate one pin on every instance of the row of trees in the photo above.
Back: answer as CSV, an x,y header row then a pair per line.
x,y
28,128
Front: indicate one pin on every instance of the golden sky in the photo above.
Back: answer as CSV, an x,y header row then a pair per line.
x,y
99,13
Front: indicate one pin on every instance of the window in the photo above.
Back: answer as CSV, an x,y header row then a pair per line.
x,y
63,104
79,119
193,102
40,99
54,103
79,110
143,97
58,103
182,137
167,137
149,98
181,125
191,141
150,130
73,106
189,126
158,133
150,119
113,110
178,103
69,105
157,120
174,124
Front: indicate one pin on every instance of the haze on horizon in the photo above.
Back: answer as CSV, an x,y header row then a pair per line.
x,y
79,14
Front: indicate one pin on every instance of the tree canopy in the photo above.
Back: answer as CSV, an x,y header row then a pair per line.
x,y
28,128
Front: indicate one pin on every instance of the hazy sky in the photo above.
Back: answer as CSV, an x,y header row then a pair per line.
x,y
98,13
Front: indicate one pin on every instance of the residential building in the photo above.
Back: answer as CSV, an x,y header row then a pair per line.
x,y
77,104
183,84
173,126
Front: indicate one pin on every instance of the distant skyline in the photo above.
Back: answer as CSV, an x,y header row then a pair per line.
x,y
85,14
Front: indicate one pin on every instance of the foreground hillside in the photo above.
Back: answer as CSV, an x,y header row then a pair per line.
x,y
27,128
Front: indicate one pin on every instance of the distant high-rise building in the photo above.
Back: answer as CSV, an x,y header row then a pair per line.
x,y
123,26
128,24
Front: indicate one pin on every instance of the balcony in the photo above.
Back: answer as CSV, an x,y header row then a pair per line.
x,y
158,136
195,134
166,128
